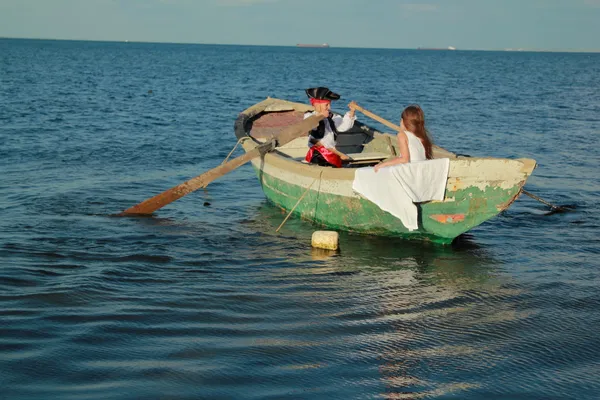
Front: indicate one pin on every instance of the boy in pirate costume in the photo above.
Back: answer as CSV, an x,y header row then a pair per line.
x,y
322,140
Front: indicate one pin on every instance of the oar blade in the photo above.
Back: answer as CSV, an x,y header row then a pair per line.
x,y
168,196
160,200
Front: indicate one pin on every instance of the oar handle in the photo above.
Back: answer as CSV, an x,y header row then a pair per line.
x,y
376,117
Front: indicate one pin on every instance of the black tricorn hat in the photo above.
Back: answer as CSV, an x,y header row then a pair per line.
x,y
321,93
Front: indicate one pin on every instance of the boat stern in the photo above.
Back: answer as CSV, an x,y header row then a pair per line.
x,y
478,189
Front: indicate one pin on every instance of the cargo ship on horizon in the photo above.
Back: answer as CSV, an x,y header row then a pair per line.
x,y
324,45
437,48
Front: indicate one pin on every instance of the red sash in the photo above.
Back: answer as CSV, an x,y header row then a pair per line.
x,y
327,154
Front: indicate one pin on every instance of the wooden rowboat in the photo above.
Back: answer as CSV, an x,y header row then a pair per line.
x,y
477,188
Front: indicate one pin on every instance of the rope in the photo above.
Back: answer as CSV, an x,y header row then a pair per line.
x,y
298,202
533,196
552,206
232,150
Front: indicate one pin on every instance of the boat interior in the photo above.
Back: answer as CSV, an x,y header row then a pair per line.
x,y
363,144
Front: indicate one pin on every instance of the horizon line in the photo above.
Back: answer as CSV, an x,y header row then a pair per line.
x,y
423,48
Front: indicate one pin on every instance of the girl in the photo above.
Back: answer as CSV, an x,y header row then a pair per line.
x,y
413,140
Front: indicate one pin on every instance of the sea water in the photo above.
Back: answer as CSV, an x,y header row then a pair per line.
x,y
204,300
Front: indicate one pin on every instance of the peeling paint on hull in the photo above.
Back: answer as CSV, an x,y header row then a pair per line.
x,y
356,214
477,189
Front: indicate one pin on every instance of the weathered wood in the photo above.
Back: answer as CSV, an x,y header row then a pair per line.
x,y
368,156
477,189
391,146
377,118
160,200
530,163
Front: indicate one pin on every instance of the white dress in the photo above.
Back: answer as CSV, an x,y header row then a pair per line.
x,y
415,147
396,188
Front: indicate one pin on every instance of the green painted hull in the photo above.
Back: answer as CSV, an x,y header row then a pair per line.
x,y
477,188
359,215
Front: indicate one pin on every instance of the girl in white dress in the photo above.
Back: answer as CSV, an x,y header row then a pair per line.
x,y
413,140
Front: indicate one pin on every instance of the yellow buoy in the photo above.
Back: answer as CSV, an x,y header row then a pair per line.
x,y
325,240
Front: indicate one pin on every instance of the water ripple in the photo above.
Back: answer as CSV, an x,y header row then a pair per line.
x,y
211,302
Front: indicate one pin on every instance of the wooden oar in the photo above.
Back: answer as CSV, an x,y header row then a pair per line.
x,y
377,118
397,128
160,200
555,209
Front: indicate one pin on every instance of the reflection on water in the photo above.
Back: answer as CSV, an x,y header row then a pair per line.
x,y
318,254
425,307
373,252
205,300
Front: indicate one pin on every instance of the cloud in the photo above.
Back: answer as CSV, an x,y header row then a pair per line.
x,y
592,3
418,7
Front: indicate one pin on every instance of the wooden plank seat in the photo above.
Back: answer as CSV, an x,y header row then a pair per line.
x,y
367,157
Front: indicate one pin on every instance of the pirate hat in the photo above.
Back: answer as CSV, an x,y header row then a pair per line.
x,y
321,93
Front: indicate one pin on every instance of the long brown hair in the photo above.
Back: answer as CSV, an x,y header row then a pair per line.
x,y
414,120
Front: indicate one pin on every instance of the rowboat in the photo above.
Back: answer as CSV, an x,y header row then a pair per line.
x,y
478,188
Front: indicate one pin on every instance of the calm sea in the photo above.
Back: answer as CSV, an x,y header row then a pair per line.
x,y
205,301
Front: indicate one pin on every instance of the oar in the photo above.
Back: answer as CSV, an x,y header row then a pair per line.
x,y
160,200
397,128
554,209
376,117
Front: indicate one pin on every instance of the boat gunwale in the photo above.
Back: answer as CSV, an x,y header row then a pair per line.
x,y
467,177
282,160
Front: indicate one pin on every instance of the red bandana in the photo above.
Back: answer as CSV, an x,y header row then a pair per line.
x,y
319,101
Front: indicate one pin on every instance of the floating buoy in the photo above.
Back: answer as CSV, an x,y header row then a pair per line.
x,y
325,240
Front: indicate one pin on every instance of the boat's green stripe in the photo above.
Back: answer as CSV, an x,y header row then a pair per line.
x,y
440,221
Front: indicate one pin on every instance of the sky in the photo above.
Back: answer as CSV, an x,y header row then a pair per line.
x,y
572,25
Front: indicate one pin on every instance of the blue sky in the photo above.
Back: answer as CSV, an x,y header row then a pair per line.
x,y
464,24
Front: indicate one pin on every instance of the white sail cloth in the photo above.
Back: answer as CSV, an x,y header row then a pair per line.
x,y
394,189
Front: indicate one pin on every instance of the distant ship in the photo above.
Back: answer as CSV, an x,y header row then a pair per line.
x,y
436,48
324,45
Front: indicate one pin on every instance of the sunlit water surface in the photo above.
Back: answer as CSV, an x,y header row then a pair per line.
x,y
205,300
